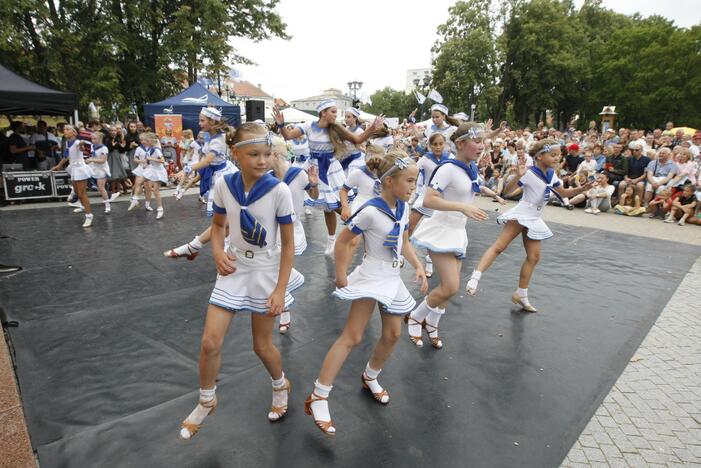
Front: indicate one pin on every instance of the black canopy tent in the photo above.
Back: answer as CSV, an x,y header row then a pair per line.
x,y
19,96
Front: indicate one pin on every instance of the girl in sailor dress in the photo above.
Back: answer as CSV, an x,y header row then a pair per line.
x,y
213,165
300,149
140,163
443,123
354,158
537,182
382,222
383,138
302,183
427,164
326,144
255,273
77,169
450,194
100,167
155,172
192,156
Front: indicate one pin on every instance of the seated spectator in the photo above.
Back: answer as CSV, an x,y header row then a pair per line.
x,y
494,182
629,203
662,204
636,174
687,169
588,166
598,198
615,165
659,173
599,156
683,206
569,165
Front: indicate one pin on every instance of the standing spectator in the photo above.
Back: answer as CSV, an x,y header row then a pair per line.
x,y
118,173
636,170
19,148
132,142
46,145
168,144
659,173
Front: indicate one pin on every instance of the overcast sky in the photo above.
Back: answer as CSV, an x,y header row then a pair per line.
x,y
329,47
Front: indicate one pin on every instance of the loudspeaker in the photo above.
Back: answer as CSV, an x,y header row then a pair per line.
x,y
255,110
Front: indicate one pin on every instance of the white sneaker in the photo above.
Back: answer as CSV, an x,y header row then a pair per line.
x,y
178,195
596,211
202,200
134,204
429,269
329,248
108,210
589,210
159,213
148,207
114,196
75,204
80,209
88,222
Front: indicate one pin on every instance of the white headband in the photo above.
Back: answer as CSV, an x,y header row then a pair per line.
x,y
440,108
212,113
399,165
546,149
267,140
325,105
473,132
354,111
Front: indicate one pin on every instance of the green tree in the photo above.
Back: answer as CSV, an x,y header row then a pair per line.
x,y
129,51
391,102
466,67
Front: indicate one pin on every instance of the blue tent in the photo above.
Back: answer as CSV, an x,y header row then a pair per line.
x,y
189,103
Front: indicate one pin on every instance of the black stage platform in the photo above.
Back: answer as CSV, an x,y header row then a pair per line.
x,y
109,330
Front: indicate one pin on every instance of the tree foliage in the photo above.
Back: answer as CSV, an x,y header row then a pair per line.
x,y
528,56
391,102
124,52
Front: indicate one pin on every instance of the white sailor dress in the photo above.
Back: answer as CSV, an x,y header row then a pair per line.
x,y
100,170
365,185
77,168
537,188
140,154
300,149
331,176
218,167
257,266
427,164
298,181
378,276
445,232
155,171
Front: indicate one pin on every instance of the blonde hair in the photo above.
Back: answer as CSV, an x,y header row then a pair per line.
x,y
218,126
338,134
187,133
149,137
374,151
100,136
280,145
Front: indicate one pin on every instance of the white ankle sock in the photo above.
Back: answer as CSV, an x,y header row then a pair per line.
x,y
88,215
279,398
418,314
374,385
522,292
320,408
433,317
331,238
200,412
428,259
196,243
285,318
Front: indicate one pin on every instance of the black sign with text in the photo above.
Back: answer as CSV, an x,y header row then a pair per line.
x,y
25,185
62,184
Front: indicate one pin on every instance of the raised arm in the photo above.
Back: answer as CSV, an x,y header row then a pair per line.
x,y
287,134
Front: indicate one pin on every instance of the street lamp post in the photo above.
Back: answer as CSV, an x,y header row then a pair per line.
x,y
353,88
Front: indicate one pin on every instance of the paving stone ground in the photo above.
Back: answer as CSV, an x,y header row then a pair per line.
x,y
652,416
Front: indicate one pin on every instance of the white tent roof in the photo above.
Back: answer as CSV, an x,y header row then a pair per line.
x,y
293,115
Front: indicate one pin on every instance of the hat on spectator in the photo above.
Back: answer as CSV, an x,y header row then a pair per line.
x,y
611,130
573,146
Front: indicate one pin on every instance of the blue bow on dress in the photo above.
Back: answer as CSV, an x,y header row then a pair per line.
x,y
392,239
252,231
547,177
470,170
